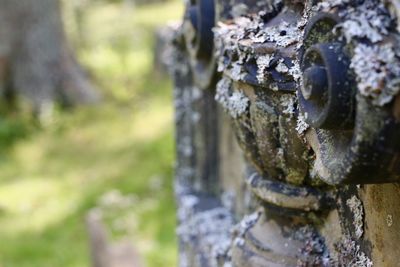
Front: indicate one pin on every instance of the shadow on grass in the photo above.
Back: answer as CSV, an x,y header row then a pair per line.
x,y
12,130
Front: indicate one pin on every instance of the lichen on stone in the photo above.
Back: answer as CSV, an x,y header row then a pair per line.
x,y
302,125
296,72
223,89
350,254
240,229
227,39
314,251
235,42
288,102
262,64
370,20
237,73
281,67
377,69
357,210
210,229
283,34
235,103
238,104
375,61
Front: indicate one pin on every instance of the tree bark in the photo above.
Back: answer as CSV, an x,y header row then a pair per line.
x,y
36,63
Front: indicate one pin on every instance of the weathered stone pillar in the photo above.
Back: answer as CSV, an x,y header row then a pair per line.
x,y
287,169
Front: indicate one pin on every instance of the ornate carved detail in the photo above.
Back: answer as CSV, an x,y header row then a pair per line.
x,y
352,129
197,28
311,92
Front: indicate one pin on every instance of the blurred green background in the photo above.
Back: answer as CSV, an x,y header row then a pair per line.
x,y
117,155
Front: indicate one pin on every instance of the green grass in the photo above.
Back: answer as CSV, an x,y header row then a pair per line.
x,y
51,177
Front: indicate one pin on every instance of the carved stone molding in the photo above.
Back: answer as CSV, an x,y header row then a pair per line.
x,y
309,90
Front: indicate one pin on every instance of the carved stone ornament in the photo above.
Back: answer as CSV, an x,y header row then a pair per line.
x,y
308,90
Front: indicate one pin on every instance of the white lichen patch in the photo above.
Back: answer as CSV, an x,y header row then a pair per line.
x,y
366,27
357,210
296,72
350,254
302,125
240,229
236,71
262,64
369,20
247,222
328,5
288,102
235,103
223,89
211,230
281,67
283,35
227,39
238,104
362,260
186,206
377,69
235,42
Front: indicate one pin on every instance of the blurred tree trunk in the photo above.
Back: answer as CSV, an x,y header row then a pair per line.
x,y
36,63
